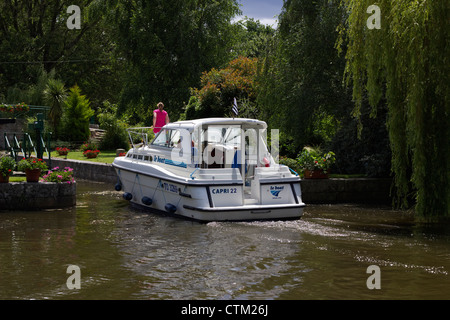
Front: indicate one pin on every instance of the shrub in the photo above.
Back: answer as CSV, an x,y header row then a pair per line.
x,y
59,176
7,165
31,164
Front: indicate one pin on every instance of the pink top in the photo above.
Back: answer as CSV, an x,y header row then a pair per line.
x,y
160,120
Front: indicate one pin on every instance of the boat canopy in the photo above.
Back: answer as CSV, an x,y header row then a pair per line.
x,y
191,125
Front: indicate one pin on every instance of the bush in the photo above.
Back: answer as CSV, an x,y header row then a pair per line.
x,y
77,114
116,135
291,163
313,159
7,165
59,176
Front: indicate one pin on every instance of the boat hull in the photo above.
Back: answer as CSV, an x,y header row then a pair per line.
x,y
206,201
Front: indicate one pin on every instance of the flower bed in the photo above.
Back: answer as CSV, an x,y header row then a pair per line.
x,y
9,108
59,175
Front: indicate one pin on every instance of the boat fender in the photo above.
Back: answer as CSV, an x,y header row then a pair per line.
x,y
118,187
127,196
147,201
170,208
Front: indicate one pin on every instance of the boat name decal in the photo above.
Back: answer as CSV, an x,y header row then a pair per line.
x,y
160,159
223,190
275,191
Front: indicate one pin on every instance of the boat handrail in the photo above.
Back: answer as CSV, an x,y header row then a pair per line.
x,y
193,173
139,131
293,171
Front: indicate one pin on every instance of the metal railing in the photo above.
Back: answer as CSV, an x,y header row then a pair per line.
x,y
25,147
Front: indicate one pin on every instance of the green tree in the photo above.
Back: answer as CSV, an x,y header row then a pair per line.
x,y
300,76
35,41
77,114
55,94
218,89
167,45
251,38
406,62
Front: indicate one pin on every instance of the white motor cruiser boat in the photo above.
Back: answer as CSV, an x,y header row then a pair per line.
x,y
215,169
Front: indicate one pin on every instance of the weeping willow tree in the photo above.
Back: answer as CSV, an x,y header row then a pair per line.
x,y
404,62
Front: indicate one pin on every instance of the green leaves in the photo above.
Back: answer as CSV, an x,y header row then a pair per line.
x,y
76,116
406,62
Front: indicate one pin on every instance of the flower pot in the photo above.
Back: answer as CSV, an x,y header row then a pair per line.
x,y
4,179
91,155
33,175
315,174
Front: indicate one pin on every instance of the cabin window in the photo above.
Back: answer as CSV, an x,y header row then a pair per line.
x,y
169,138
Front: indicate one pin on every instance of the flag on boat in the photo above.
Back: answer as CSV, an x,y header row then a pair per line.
x,y
235,107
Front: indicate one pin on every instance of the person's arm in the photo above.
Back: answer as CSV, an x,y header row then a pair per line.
x,y
154,119
167,118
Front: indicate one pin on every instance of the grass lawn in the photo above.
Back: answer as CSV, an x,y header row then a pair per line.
x,y
103,156
17,178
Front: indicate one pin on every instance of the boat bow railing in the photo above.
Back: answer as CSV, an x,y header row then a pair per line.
x,y
140,136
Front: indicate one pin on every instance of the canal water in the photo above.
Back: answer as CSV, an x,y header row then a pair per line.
x,y
125,253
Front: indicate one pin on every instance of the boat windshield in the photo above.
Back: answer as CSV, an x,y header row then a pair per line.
x,y
223,145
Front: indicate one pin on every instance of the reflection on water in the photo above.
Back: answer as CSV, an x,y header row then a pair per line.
x,y
124,253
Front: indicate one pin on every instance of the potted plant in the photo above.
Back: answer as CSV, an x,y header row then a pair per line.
x,y
315,164
32,167
59,175
91,153
62,151
7,165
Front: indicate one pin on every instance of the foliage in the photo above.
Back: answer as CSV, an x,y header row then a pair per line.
x,y
59,175
62,150
312,159
36,43
252,38
76,116
300,76
7,165
88,146
406,62
220,87
116,134
55,94
369,154
91,153
291,163
31,164
19,107
166,46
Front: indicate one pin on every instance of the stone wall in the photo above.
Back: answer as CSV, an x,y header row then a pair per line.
x,y
37,196
88,170
314,191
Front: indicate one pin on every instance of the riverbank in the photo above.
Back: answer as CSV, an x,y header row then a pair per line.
x,y
314,191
